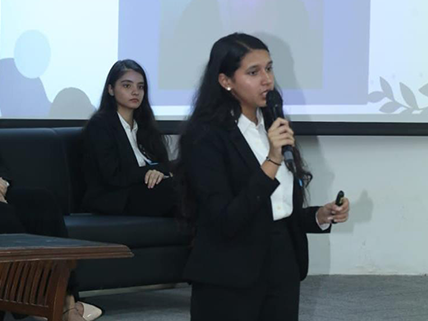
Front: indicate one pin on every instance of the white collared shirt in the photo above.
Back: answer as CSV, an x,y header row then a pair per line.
x,y
131,133
256,137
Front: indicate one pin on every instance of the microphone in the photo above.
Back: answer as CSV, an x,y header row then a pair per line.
x,y
274,110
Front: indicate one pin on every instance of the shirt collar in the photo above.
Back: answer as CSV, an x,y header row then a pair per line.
x,y
126,126
244,123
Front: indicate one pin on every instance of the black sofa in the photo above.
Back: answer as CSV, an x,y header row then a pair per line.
x,y
51,158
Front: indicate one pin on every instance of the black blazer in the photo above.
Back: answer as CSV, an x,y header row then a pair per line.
x,y
4,172
110,165
234,209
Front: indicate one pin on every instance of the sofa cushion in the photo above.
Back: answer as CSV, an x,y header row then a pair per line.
x,y
35,158
72,143
133,231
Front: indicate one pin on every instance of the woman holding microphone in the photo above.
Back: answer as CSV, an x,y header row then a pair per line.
x,y
250,250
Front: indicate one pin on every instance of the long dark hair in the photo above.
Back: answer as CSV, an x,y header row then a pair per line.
x,y
214,104
150,140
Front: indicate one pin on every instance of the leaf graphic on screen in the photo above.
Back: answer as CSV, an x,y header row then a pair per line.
x,y
424,90
408,96
376,96
408,111
386,87
390,107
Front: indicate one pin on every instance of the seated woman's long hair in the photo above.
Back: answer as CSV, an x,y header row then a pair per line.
x,y
149,137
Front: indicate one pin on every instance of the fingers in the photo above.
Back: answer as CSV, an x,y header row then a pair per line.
x,y
342,208
340,219
331,213
281,139
341,213
281,125
159,178
3,187
153,177
280,134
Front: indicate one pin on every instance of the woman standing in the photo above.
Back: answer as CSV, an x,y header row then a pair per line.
x,y
126,161
250,249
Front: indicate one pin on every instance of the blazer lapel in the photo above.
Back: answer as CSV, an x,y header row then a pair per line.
x,y
243,148
124,144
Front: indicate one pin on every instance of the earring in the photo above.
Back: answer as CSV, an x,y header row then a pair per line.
x,y
228,88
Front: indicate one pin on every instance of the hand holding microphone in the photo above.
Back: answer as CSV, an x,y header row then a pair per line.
x,y
280,134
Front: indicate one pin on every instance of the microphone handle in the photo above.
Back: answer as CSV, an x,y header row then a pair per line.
x,y
287,152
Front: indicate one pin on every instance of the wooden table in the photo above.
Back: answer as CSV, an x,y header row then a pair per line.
x,y
34,271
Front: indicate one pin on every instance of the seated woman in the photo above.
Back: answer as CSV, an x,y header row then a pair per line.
x,y
126,161
34,211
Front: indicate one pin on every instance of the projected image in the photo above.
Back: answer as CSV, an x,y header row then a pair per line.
x,y
334,60
320,48
51,66
189,28
405,104
20,84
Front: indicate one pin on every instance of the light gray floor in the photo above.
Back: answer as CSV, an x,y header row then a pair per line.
x,y
348,298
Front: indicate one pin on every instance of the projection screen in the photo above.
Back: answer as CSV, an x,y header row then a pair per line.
x,y
334,60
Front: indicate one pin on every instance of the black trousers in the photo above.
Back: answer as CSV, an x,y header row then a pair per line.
x,y
34,211
158,201
274,297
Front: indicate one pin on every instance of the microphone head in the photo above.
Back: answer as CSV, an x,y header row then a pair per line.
x,y
273,98
274,103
